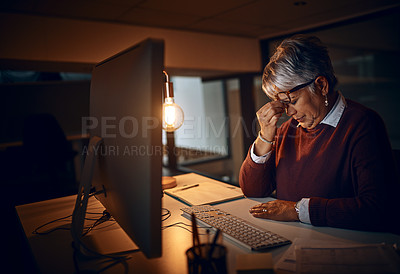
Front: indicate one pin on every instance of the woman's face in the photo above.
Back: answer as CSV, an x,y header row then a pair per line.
x,y
307,108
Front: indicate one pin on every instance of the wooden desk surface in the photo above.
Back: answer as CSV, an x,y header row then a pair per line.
x,y
54,254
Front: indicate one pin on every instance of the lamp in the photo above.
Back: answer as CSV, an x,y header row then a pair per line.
x,y
172,113
172,119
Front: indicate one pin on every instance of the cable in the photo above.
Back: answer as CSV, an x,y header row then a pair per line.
x,y
113,259
106,216
182,224
52,230
97,222
79,245
115,262
165,216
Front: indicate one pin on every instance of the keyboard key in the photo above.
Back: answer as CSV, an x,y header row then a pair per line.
x,y
244,233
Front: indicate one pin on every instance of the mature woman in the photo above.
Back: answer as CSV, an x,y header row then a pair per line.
x,y
331,163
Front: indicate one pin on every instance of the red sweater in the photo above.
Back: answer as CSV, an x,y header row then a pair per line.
x,y
347,171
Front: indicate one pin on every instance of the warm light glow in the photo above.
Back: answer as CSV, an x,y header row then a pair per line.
x,y
169,115
172,115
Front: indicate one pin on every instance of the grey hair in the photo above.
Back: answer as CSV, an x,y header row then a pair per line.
x,y
297,60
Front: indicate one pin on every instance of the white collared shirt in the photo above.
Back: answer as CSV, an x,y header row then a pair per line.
x,y
331,119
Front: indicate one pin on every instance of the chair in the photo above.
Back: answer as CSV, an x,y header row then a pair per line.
x,y
48,159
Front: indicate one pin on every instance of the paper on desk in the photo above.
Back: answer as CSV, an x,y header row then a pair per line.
x,y
208,191
315,256
374,258
288,260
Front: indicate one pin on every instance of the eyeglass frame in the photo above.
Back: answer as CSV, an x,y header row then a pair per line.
x,y
296,88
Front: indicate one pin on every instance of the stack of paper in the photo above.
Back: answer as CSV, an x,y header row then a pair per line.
x,y
311,256
194,189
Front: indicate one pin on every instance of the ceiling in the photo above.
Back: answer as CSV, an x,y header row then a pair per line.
x,y
246,18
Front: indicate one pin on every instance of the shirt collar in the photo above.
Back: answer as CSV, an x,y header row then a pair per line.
x,y
333,117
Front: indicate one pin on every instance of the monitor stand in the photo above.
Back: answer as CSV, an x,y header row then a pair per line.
x,y
107,242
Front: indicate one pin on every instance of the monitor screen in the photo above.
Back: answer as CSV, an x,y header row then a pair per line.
x,y
125,112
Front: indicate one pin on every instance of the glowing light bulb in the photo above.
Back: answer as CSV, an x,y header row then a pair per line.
x,y
172,115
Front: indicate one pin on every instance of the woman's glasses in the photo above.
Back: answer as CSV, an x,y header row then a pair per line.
x,y
284,97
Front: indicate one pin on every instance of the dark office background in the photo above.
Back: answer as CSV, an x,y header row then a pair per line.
x,y
365,54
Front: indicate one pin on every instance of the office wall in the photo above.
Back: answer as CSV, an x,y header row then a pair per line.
x,y
64,40
66,101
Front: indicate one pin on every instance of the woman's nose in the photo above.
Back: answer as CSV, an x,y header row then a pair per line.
x,y
290,110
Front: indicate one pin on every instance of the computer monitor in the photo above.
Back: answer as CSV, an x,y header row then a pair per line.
x,y
124,161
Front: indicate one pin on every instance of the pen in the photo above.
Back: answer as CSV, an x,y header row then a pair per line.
x,y
187,187
214,243
208,245
196,239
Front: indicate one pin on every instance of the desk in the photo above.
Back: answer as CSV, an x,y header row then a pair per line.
x,y
54,254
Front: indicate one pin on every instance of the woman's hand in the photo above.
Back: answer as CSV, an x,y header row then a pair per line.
x,y
278,210
268,116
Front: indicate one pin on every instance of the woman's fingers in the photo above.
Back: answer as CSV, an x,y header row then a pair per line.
x,y
270,113
268,116
259,211
276,210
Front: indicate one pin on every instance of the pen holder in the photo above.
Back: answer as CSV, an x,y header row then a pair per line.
x,y
206,258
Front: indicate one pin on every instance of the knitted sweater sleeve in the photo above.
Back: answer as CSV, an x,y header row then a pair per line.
x,y
257,180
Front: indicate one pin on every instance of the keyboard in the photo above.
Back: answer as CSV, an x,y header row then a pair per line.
x,y
236,229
